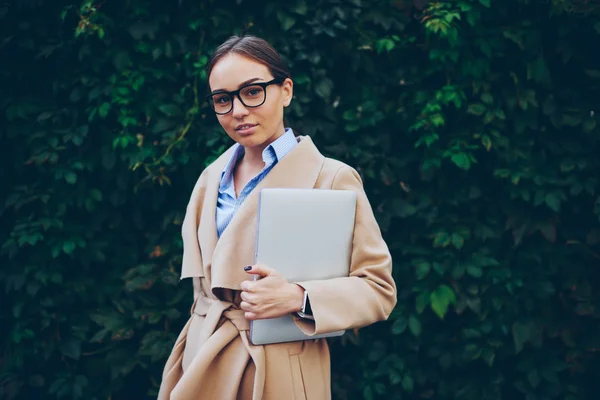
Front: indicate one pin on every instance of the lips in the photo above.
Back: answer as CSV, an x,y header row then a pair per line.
x,y
242,127
245,129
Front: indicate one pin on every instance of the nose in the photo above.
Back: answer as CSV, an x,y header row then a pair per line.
x,y
239,110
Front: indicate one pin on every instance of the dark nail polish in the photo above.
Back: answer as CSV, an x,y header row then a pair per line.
x,y
248,268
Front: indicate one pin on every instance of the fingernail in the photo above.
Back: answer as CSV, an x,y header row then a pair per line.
x,y
248,268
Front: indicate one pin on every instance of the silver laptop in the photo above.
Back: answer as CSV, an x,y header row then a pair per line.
x,y
305,234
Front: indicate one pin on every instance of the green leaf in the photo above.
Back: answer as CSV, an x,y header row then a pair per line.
x,y
384,44
368,393
537,70
476,109
572,119
286,20
441,298
457,241
402,208
99,336
301,8
471,333
593,73
96,194
379,388
141,29
486,142
521,333
68,246
399,326
323,88
486,3
474,271
488,357
395,377
458,271
461,160
589,125
548,230
487,98
534,378
414,325
442,239
422,269
44,116
170,110
421,302
552,201
593,237
71,177
408,383
103,110
71,348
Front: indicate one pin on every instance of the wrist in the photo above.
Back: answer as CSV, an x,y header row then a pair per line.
x,y
297,298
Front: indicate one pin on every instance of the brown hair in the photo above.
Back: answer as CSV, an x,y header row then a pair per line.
x,y
254,48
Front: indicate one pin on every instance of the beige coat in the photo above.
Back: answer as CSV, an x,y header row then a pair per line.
x,y
213,358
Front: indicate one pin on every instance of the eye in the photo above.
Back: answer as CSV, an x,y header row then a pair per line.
x,y
253,91
221,99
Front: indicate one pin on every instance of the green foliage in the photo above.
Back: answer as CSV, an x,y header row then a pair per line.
x,y
473,123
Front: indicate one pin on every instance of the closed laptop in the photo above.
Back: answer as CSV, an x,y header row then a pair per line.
x,y
304,234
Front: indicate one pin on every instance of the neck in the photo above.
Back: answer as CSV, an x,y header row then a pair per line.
x,y
253,155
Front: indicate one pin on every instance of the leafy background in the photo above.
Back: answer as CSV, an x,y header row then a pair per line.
x,y
473,123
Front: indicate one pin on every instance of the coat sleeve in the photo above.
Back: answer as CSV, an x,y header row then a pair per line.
x,y
368,294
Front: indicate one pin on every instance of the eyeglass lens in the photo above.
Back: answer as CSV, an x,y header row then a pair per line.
x,y
251,96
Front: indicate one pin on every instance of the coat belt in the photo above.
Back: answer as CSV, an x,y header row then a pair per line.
x,y
214,311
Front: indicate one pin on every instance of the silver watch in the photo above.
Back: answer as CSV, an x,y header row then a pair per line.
x,y
306,311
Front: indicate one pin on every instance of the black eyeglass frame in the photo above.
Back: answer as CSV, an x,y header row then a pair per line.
x,y
263,85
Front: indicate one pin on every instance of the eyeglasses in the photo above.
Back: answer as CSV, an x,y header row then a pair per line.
x,y
251,95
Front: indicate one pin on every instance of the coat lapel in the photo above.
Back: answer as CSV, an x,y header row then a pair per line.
x,y
300,168
199,229
207,229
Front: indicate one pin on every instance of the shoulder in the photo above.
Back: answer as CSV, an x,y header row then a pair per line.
x,y
338,168
339,173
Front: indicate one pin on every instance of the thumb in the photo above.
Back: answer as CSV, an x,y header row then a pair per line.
x,y
260,270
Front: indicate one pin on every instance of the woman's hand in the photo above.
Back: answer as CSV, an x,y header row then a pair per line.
x,y
270,297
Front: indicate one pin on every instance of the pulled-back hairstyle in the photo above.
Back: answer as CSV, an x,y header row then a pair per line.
x,y
254,48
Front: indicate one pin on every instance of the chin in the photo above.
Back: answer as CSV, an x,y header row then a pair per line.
x,y
244,139
253,140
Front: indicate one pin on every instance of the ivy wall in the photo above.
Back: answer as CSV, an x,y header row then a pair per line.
x,y
473,123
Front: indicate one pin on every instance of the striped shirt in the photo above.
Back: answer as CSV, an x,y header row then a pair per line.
x,y
227,201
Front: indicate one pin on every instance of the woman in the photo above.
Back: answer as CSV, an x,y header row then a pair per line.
x,y
213,357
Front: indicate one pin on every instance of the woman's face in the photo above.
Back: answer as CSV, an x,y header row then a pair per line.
x,y
251,127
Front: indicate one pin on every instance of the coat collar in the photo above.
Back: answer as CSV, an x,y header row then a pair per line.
x,y
224,259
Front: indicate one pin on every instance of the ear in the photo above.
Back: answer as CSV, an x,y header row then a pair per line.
x,y
287,88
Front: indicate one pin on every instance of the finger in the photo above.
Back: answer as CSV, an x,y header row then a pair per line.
x,y
248,298
247,286
260,270
250,316
246,306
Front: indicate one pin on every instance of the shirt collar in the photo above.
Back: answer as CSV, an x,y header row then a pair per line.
x,y
270,155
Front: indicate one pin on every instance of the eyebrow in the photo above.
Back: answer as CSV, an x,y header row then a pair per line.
x,y
239,86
